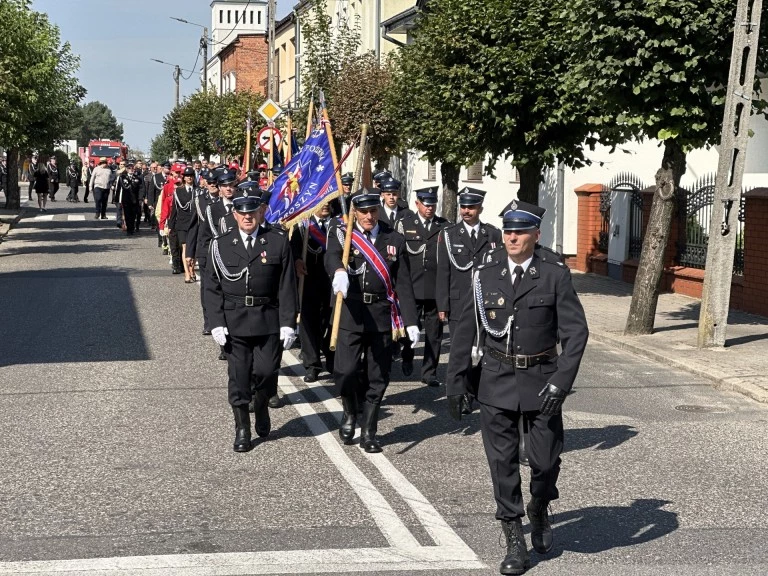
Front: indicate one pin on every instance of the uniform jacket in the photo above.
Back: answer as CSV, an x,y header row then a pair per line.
x,y
270,274
453,283
422,252
202,231
544,311
128,188
317,283
356,315
183,211
53,172
73,177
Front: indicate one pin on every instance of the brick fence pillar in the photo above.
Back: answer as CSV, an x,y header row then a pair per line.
x,y
589,224
755,294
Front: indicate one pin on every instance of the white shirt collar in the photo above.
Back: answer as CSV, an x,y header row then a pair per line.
x,y
245,236
424,220
476,228
374,232
525,265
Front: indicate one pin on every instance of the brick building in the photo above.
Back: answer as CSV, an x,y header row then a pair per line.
x,y
239,47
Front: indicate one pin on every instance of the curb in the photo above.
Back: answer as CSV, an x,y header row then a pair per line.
x,y
721,381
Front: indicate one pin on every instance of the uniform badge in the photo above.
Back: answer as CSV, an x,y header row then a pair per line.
x,y
234,242
492,315
504,272
392,253
501,301
357,252
493,245
262,240
263,257
532,270
411,231
513,206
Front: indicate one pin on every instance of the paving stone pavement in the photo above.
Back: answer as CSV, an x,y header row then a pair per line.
x,y
741,366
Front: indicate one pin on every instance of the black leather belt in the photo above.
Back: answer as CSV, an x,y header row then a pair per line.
x,y
522,361
248,300
367,297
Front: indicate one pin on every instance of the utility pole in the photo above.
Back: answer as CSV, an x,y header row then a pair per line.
x,y
176,76
204,46
271,56
713,318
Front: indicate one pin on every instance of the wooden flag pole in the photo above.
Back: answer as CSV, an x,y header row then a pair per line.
x,y
350,221
270,176
310,112
247,159
289,138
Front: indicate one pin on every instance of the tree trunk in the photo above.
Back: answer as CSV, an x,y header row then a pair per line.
x,y
12,192
450,177
530,179
642,309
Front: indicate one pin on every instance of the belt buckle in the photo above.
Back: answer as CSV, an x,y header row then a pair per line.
x,y
367,298
249,301
521,362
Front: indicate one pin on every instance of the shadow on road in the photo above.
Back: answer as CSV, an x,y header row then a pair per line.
x,y
598,438
69,315
600,528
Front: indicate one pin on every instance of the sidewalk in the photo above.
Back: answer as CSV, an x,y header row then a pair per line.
x,y
742,366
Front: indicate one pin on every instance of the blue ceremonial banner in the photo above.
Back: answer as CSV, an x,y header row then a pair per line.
x,y
308,181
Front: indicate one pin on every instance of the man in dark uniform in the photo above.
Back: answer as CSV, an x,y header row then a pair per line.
x,y
524,304
251,300
53,178
315,330
392,206
346,190
421,233
460,247
128,193
378,304
380,176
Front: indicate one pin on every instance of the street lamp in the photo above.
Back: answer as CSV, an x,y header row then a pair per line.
x,y
176,74
203,46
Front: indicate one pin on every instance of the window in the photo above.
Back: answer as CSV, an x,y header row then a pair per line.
x,y
229,16
475,172
251,16
237,17
258,16
431,171
221,16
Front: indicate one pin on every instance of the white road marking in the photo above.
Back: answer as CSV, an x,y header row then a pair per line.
x,y
76,218
404,554
43,218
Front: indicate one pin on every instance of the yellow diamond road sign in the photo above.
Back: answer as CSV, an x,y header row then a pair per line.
x,y
270,111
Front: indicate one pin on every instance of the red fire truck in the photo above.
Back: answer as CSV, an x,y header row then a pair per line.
x,y
103,149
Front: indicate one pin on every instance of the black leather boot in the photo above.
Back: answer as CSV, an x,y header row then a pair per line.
x,y
347,430
517,560
541,530
242,429
263,423
369,427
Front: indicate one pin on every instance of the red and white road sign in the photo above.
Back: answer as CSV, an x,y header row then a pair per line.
x,y
264,138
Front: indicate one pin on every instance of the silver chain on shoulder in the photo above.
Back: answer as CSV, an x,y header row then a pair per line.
x,y
221,269
351,271
450,255
481,313
181,206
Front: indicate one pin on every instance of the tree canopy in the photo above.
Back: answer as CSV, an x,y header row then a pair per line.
x,y
95,121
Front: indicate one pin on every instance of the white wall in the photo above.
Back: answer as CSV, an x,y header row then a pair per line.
x,y
221,32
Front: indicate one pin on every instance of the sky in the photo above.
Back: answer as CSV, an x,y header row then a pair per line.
x,y
116,39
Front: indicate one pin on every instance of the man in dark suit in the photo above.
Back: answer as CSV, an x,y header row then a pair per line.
x,y
524,303
251,301
378,305
421,233
392,206
315,330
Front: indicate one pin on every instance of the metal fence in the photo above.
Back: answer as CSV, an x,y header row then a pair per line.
x,y
694,212
630,184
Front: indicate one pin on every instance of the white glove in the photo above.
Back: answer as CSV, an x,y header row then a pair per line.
x,y
219,335
340,283
413,334
288,336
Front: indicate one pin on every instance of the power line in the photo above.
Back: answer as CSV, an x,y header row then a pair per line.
x,y
139,121
233,29
193,66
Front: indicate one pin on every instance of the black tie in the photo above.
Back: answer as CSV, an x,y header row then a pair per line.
x,y
518,276
229,208
322,224
473,237
249,245
367,234
427,224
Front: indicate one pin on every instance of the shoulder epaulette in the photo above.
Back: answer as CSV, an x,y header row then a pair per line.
x,y
550,256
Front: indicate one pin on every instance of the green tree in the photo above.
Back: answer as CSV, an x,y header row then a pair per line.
x,y
234,107
482,78
95,121
161,149
199,117
656,69
39,91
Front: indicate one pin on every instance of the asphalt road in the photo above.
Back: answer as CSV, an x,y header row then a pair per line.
x,y
117,456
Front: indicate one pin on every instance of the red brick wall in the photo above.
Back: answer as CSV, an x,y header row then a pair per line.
x,y
589,224
755,291
247,58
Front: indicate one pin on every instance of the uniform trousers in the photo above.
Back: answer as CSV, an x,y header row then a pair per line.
x,y
433,336
173,243
202,264
315,330
253,363
129,216
501,439
350,346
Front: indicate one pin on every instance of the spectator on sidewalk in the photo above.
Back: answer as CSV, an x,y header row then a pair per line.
x,y
86,178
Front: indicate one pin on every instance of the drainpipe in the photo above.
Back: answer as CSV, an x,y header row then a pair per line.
x,y
560,207
377,31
